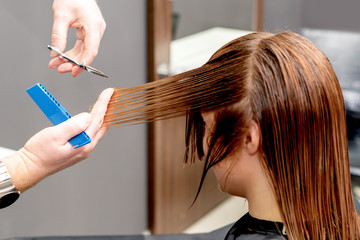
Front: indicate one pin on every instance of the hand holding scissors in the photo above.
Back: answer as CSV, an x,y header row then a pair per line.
x,y
84,16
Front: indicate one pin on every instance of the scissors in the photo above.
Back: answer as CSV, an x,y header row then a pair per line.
x,y
81,65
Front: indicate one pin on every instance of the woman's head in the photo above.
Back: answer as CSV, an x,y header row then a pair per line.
x,y
284,85
289,89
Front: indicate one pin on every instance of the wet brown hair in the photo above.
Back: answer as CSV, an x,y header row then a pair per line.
x,y
285,84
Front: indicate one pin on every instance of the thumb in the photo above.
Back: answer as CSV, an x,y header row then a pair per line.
x,y
73,126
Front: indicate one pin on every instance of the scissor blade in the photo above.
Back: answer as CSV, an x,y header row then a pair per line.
x,y
81,65
95,71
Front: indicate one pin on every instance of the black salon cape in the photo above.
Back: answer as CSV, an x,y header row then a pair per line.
x,y
249,228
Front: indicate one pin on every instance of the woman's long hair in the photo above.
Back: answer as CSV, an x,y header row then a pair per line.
x,y
285,84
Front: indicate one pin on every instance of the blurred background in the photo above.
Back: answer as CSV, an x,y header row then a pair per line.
x,y
114,192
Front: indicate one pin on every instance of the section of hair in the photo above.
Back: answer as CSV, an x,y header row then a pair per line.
x,y
207,87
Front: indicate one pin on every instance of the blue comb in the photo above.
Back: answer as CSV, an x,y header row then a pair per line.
x,y
55,112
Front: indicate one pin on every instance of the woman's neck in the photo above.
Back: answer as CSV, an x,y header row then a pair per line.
x,y
261,199
263,205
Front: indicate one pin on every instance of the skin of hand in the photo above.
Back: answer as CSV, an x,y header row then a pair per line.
x,y
86,17
49,151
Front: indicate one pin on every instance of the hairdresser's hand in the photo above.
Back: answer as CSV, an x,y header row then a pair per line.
x,y
49,151
85,16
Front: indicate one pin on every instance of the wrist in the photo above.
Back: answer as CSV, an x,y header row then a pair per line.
x,y
23,171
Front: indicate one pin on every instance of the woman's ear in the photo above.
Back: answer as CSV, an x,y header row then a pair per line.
x,y
252,139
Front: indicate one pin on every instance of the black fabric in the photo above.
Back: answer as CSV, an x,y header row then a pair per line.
x,y
249,228
218,234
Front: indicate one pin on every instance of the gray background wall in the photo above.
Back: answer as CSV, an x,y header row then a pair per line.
x,y
321,14
107,193
331,14
196,16
199,15
279,15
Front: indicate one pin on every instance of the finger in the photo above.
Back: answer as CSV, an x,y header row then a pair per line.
x,y
59,34
75,52
98,111
65,67
99,135
61,64
76,70
101,104
90,46
55,62
72,127
103,129
89,52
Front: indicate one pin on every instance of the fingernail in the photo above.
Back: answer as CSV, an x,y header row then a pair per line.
x,y
109,91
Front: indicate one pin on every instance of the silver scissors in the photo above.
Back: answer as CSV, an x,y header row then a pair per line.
x,y
81,65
